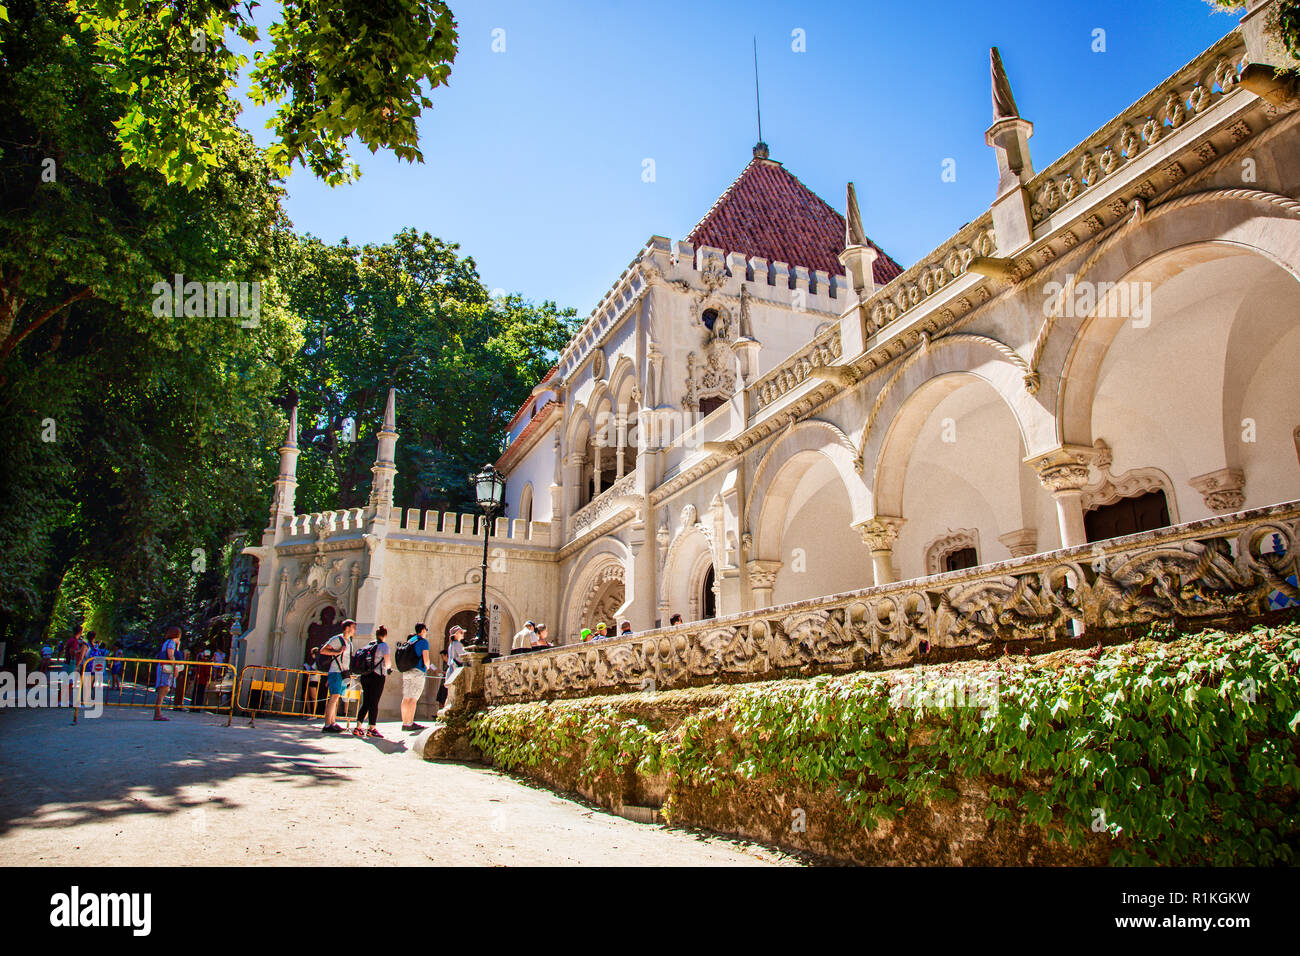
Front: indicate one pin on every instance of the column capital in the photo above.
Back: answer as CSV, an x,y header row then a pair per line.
x,y
762,574
1064,468
1223,490
880,533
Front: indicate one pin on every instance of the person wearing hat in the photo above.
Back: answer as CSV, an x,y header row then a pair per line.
x,y
601,631
455,661
585,634
524,639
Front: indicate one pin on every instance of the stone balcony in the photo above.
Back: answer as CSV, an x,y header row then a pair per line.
x,y
1238,566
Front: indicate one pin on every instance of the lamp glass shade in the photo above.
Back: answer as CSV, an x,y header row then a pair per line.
x,y
489,488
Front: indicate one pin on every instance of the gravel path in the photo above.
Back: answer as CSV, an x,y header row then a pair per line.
x,y
123,790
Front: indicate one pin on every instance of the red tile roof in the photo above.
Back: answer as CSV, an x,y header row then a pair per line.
x,y
767,212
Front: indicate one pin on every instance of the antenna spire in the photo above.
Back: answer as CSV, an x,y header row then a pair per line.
x,y
760,148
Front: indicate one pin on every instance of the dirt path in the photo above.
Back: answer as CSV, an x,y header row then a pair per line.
x,y
123,790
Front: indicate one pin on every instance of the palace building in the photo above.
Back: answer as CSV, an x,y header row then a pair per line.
x,y
816,455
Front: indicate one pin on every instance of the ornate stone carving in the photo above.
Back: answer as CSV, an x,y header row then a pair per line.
x,y
881,532
944,545
762,574
1203,570
1223,490
1064,468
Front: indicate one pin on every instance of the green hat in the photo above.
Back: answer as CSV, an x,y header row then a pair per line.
x,y
586,633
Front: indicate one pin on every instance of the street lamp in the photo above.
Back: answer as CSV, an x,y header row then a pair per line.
x,y
489,489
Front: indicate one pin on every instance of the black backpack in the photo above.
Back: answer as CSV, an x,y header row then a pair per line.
x,y
363,661
405,657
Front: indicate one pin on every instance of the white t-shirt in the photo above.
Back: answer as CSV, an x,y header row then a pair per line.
x,y
338,640
523,639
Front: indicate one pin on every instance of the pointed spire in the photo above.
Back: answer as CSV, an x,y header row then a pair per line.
x,y
854,234
1004,104
291,437
390,412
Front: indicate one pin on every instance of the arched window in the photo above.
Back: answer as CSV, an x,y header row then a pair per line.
x,y
708,600
1127,516
526,503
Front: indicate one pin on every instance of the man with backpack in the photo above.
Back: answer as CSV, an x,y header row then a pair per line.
x,y
412,659
335,658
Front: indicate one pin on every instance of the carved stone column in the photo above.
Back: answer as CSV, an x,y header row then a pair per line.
x,y
1064,471
595,471
620,428
1224,490
762,580
879,534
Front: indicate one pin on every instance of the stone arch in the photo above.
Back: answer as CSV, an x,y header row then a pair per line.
x,y
1199,229
526,503
976,356
920,391
817,436
465,597
603,557
1222,326
689,557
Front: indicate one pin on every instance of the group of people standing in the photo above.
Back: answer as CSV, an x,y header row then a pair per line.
x,y
371,666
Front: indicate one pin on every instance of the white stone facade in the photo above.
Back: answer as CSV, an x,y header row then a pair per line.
x,y
1124,323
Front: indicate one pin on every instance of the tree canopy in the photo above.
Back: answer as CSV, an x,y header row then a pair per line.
x,y
139,440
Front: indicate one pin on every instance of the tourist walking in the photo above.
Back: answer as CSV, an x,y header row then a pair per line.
x,y
415,653
625,629
525,638
334,651
166,673
543,640
372,677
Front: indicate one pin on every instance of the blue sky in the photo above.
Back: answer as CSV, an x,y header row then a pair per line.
x,y
534,155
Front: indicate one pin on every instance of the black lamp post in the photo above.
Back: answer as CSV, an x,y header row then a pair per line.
x,y
489,489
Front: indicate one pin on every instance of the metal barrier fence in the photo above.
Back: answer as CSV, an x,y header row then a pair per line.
x,y
289,692
134,682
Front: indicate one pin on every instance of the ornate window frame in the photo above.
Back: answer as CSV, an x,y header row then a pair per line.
x,y
944,545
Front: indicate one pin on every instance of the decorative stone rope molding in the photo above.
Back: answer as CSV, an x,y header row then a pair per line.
x,y
1201,571
944,545
1223,490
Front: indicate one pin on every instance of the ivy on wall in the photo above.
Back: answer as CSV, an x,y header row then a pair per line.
x,y
1185,752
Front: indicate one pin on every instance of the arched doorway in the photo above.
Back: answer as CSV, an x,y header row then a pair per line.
x,y
322,627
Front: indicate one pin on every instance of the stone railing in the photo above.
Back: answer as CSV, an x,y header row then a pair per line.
x,y
1237,566
605,504
1188,93
946,264
822,350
